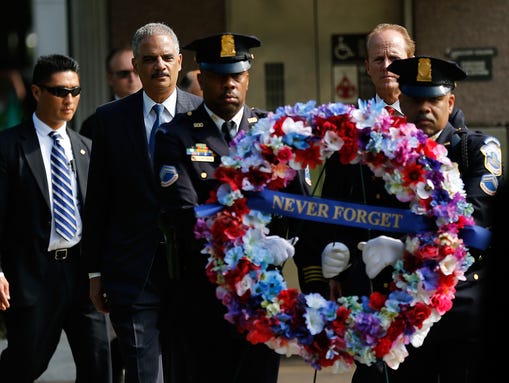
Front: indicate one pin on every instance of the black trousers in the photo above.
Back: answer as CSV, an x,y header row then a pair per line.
x,y
207,348
141,328
33,332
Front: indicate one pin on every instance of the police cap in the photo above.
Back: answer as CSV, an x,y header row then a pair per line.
x,y
425,76
224,53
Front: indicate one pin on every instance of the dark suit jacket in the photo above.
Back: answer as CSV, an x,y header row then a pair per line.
x,y
25,210
120,233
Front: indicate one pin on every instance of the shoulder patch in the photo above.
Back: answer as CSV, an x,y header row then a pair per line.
x,y
492,156
168,175
489,184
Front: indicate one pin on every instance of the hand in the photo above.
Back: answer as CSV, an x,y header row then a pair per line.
x,y
4,293
98,296
335,258
379,253
281,249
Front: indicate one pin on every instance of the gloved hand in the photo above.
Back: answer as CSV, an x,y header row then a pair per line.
x,y
280,248
379,253
335,258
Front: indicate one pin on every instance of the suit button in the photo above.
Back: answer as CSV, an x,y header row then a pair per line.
x,y
203,175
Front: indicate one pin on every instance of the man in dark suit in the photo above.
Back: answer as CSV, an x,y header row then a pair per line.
x,y
188,151
122,244
43,286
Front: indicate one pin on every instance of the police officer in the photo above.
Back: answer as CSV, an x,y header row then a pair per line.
x,y
188,151
451,351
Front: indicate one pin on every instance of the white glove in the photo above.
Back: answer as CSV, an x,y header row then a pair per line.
x,y
281,249
379,253
335,258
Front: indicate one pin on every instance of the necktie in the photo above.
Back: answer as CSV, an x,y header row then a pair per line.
x,y
393,111
158,109
63,201
390,109
227,128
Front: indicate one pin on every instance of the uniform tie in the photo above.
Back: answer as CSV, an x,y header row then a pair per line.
x,y
158,109
227,128
64,210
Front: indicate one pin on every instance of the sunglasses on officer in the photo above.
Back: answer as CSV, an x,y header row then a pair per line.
x,y
61,91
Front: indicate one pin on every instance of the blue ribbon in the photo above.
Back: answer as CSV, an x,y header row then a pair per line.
x,y
347,214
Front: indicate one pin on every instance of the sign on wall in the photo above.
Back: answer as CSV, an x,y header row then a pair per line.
x,y
476,62
349,79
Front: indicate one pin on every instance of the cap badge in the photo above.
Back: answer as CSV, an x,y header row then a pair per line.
x,y
227,46
424,70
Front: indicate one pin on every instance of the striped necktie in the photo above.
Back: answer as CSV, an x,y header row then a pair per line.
x,y
158,109
63,201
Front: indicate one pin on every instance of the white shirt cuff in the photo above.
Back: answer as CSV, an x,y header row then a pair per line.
x,y
93,275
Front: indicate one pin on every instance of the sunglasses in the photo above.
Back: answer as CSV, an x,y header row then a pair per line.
x,y
60,91
123,73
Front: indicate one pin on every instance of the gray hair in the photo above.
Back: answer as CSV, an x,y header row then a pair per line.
x,y
152,29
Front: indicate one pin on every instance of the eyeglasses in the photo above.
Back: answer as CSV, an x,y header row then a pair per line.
x,y
61,91
123,73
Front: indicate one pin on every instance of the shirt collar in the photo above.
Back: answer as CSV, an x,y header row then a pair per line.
x,y
44,130
395,105
219,121
170,104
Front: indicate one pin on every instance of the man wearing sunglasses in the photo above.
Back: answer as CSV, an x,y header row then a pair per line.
x,y
122,79
43,287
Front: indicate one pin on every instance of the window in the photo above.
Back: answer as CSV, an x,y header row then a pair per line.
x,y
274,85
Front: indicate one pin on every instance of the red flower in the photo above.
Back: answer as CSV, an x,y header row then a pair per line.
x,y
377,300
344,128
259,331
415,315
284,154
288,299
413,174
267,153
428,252
308,157
383,347
258,178
339,324
229,175
227,227
234,276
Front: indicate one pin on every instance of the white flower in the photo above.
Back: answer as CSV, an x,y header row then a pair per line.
x,y
419,336
244,285
424,189
291,126
448,265
396,355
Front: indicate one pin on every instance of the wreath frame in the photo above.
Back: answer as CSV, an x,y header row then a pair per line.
x,y
354,328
